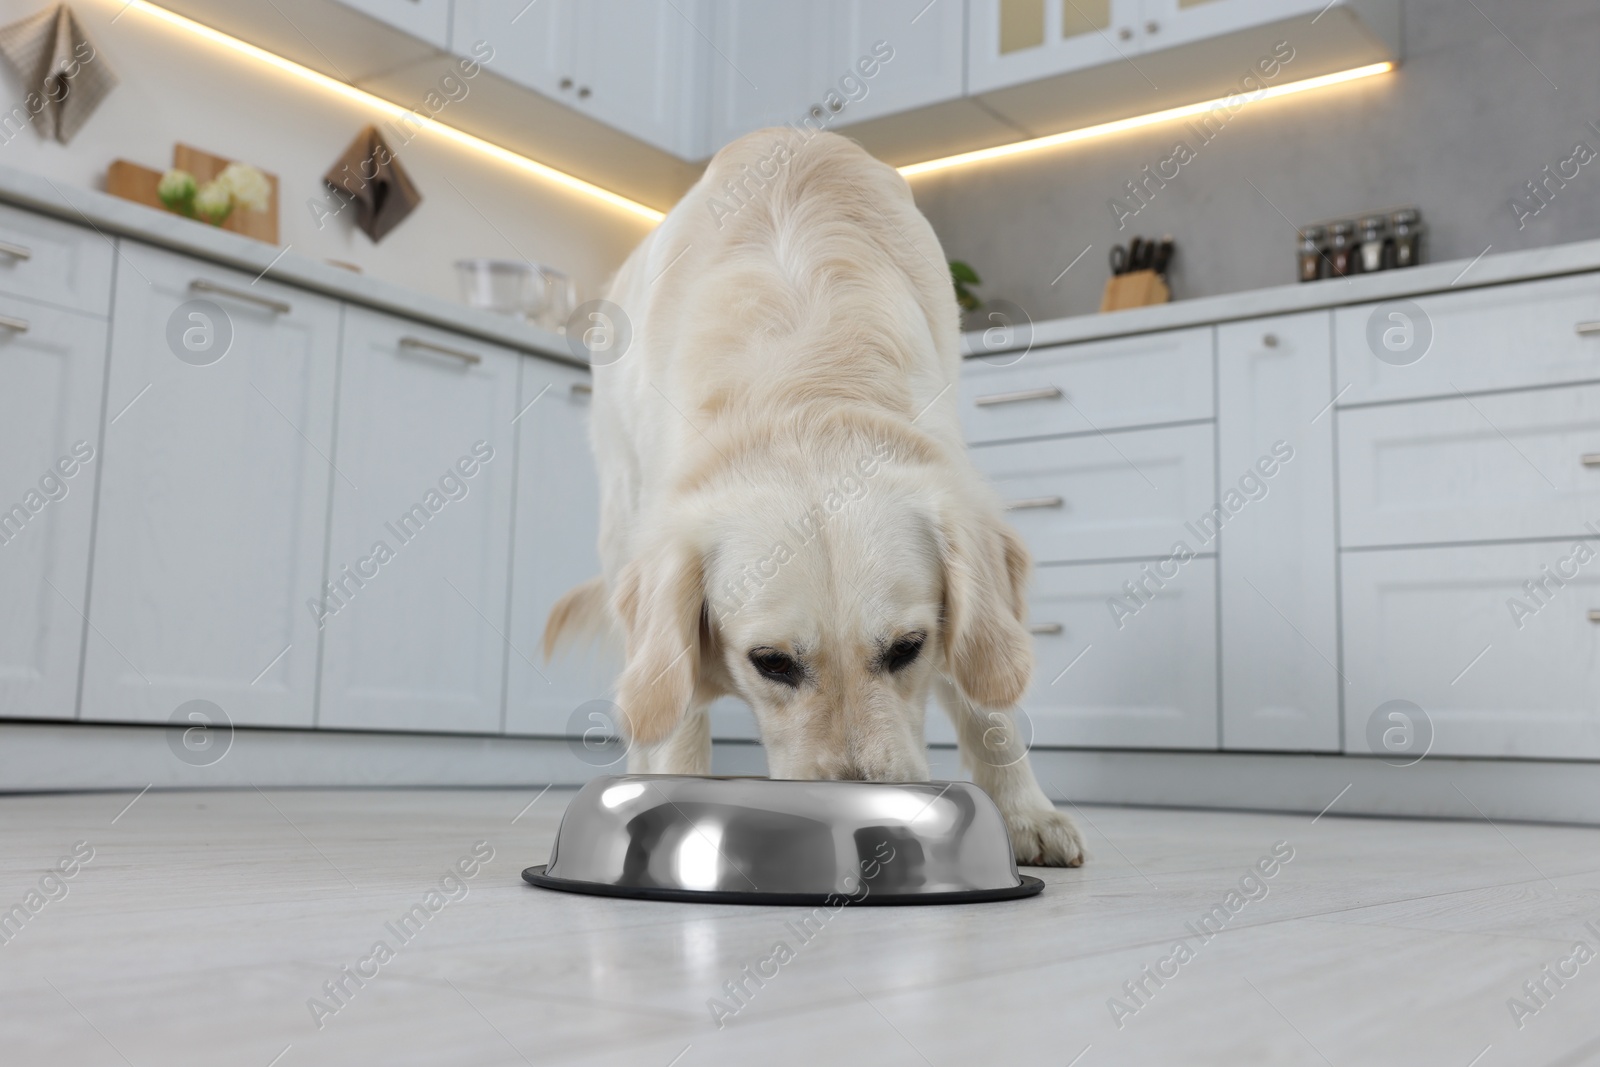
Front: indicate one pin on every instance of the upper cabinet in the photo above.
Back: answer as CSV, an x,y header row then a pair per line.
x,y
895,55
427,20
1014,41
767,68
635,66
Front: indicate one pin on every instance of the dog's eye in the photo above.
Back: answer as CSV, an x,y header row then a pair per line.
x,y
775,665
903,652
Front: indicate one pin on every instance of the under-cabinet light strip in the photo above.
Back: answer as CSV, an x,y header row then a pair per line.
x,y
1055,140
393,110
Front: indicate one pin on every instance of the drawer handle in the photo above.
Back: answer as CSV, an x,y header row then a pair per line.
x,y
1046,629
1591,459
15,325
1034,502
1586,328
582,389
1044,392
277,307
1594,616
429,346
15,251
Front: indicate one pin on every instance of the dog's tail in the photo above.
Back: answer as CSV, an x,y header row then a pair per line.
x,y
581,613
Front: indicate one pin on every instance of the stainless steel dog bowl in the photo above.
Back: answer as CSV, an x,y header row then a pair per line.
x,y
759,841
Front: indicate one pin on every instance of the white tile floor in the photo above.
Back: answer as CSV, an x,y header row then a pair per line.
x,y
206,922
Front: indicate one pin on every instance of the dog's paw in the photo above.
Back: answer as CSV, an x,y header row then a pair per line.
x,y
1044,837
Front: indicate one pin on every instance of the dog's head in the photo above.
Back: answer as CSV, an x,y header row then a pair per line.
x,y
828,603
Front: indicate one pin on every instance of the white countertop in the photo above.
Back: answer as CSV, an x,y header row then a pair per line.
x,y
112,215
1488,269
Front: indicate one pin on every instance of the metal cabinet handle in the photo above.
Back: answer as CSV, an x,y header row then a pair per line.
x,y
15,251
1125,33
1586,328
582,389
1591,459
1044,392
14,324
1034,502
429,346
1046,629
1269,340
1152,26
277,307
1594,616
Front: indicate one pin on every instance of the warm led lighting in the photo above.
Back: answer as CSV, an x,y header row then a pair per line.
x,y
393,110
1106,128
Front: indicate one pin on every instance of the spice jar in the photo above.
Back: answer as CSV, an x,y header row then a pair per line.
x,y
1407,225
1311,254
1341,250
1372,240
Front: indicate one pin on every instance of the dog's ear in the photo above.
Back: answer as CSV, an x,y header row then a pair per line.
x,y
659,599
988,652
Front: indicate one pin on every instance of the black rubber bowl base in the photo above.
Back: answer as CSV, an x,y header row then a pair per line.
x,y
1030,886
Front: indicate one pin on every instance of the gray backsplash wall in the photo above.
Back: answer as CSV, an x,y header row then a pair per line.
x,y
1484,99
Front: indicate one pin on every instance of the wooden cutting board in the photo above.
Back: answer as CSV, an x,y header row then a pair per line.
x,y
131,181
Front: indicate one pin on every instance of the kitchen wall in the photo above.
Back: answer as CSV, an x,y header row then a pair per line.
x,y
173,87
1475,111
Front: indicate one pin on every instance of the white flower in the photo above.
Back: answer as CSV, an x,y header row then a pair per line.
x,y
249,187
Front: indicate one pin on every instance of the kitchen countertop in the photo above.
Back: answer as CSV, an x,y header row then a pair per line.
x,y
114,216
1487,269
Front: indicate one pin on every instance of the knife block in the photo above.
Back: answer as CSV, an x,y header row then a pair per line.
x,y
1135,289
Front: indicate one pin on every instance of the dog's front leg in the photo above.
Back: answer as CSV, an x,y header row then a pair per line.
x,y
687,750
997,758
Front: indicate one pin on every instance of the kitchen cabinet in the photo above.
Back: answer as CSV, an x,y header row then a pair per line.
x,y
214,482
54,262
414,611
1169,23
1494,467
427,20
635,66
553,549
1278,556
1014,41
1492,655
770,66
927,42
52,378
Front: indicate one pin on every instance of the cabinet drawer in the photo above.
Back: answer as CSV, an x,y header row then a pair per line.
x,y
1152,683
1499,667
1497,467
1100,385
44,259
1497,337
1107,496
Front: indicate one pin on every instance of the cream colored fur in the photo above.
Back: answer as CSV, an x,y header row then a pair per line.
x,y
782,471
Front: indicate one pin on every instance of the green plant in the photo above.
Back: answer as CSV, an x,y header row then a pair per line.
x,y
962,275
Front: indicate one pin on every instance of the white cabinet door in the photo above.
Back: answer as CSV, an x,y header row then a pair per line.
x,y
1141,676
1498,467
925,45
213,494
769,66
557,525
54,262
1015,41
52,377
642,69
1280,686
1496,644
535,44
1168,23
427,20
414,612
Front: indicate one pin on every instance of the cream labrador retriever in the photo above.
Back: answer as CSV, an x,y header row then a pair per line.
x,y
788,513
